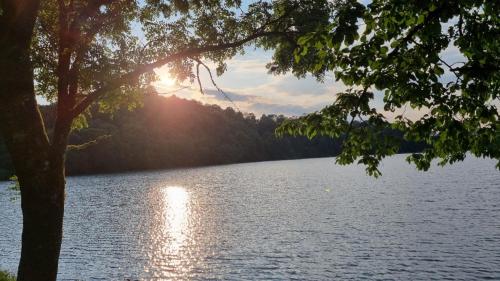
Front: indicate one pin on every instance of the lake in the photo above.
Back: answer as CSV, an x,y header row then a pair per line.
x,y
284,220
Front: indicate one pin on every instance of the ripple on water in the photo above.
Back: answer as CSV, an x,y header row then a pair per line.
x,y
294,220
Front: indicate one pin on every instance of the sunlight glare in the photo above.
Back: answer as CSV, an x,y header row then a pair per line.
x,y
176,200
165,80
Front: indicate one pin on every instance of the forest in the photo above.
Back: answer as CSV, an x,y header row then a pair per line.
x,y
170,132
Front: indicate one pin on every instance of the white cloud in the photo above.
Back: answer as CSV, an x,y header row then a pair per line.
x,y
252,89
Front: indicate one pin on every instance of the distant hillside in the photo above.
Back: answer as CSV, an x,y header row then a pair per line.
x,y
172,132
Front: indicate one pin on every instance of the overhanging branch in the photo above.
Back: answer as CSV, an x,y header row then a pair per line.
x,y
226,96
127,78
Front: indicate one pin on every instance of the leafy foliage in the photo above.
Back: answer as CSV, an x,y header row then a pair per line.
x,y
6,276
14,183
81,47
400,52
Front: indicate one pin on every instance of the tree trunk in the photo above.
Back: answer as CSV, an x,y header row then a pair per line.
x,y
40,170
42,202
38,164
39,167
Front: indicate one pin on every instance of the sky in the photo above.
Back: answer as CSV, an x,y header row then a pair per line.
x,y
252,89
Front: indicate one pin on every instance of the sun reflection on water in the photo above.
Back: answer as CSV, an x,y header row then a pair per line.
x,y
172,238
176,215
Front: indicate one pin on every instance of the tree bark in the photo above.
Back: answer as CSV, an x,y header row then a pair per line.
x,y
40,170
42,202
38,164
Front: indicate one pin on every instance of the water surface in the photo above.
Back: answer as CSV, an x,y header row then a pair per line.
x,y
284,220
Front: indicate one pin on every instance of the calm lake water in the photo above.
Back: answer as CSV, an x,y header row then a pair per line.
x,y
302,220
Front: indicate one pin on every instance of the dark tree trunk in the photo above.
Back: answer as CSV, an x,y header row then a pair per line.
x,y
38,164
40,170
42,201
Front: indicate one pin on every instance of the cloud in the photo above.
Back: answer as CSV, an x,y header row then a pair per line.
x,y
252,89
284,109
231,95
257,104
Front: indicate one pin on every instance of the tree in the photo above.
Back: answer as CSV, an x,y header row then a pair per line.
x,y
396,50
79,53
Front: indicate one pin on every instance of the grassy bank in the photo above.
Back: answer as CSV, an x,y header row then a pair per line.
x,y
5,276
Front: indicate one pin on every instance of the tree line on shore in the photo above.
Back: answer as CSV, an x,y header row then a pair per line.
x,y
170,132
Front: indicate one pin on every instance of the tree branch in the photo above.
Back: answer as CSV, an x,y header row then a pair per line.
x,y
127,78
409,36
198,77
82,146
226,96
356,113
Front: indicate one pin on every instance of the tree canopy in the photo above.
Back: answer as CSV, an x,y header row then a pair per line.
x,y
440,58
105,51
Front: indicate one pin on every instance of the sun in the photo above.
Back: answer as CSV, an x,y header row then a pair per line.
x,y
165,80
